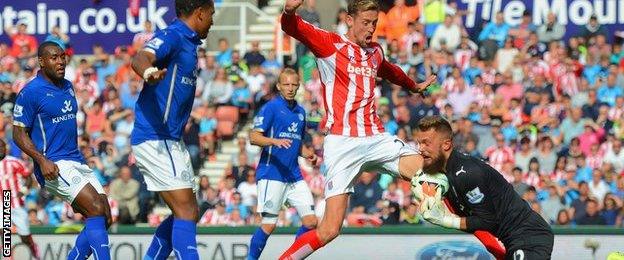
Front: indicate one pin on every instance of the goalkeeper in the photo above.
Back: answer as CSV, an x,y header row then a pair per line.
x,y
482,199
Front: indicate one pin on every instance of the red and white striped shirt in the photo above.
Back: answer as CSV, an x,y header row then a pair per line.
x,y
616,113
12,174
499,156
348,74
594,161
213,218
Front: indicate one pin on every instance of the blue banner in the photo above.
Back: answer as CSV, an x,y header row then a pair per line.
x,y
86,22
574,14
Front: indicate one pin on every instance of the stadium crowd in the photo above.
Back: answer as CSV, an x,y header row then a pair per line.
x,y
547,113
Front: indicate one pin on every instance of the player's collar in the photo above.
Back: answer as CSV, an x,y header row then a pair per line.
x,y
187,31
286,103
450,161
44,82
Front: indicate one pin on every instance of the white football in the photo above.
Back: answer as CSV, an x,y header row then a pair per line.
x,y
431,182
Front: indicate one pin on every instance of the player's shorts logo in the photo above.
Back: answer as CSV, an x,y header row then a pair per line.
x,y
76,179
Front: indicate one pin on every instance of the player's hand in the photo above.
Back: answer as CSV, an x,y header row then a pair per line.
x,y
313,159
282,143
422,87
436,212
291,6
49,170
156,76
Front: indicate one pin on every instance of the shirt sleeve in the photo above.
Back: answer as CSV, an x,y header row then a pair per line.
x,y
478,195
318,40
25,109
163,44
395,75
264,119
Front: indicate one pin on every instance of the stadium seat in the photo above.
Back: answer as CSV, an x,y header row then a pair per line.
x,y
225,129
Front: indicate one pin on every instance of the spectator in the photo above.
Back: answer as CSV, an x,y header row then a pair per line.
x,y
521,32
615,156
551,30
592,29
518,183
398,18
447,36
219,91
140,39
592,215
410,214
224,56
553,205
236,205
125,191
579,206
248,190
56,35
499,154
563,218
493,36
505,56
254,57
367,192
610,91
598,187
341,22
215,217
22,43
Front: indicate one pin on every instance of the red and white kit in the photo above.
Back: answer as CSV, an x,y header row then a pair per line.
x,y
356,140
12,174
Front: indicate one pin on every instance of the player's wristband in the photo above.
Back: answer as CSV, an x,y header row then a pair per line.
x,y
148,72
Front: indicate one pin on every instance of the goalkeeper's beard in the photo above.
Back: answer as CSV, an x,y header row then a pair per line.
x,y
436,165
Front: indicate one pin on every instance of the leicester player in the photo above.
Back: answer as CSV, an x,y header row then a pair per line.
x,y
168,64
279,128
481,197
45,128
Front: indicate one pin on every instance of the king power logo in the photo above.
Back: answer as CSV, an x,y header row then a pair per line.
x,y
68,106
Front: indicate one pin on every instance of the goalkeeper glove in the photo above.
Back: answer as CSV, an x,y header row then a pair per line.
x,y
436,212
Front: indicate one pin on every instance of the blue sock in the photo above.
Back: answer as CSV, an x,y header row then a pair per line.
x,y
301,231
161,244
258,241
183,239
81,249
98,237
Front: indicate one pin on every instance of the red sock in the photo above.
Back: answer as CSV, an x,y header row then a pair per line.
x,y
303,246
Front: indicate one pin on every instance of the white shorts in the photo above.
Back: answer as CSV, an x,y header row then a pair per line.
x,y
19,217
346,157
273,194
73,177
165,165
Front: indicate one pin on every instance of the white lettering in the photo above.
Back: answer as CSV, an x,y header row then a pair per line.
x,y
621,11
65,117
289,135
487,10
58,17
513,12
362,71
84,20
580,11
9,15
156,15
599,9
188,81
41,17
27,17
135,25
108,14
472,10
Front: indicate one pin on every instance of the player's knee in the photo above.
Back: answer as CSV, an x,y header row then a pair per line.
x,y
187,213
309,222
328,233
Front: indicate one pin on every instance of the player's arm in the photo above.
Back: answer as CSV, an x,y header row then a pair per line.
x,y
24,113
158,49
263,124
319,41
395,75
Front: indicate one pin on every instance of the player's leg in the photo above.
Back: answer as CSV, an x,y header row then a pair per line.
x,y
270,200
74,186
327,230
19,217
166,168
185,210
299,195
88,203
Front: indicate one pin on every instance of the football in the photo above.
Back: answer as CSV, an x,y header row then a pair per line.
x,y
431,182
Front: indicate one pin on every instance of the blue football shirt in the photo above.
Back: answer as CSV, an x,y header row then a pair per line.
x,y
277,119
162,110
49,114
